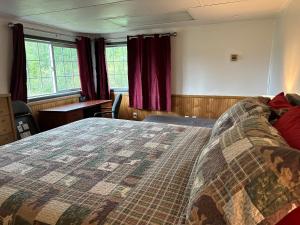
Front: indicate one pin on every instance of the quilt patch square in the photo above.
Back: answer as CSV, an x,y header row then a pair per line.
x,y
113,140
103,188
148,135
151,145
55,143
68,181
121,191
87,148
30,152
127,142
52,177
156,129
17,167
267,194
5,193
239,205
108,166
236,149
125,153
51,213
65,158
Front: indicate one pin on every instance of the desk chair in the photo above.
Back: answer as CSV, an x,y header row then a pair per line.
x,y
25,123
114,111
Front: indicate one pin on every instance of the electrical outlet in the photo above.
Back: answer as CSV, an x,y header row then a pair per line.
x,y
186,116
134,115
194,117
234,57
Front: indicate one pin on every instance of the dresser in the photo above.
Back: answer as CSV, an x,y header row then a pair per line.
x,y
7,122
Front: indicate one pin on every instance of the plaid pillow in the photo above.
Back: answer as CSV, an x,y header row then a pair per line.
x,y
246,176
241,110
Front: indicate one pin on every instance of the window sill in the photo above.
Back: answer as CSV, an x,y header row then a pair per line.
x,y
54,97
122,90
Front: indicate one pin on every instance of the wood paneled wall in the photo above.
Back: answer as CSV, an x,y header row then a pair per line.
x,y
44,104
185,105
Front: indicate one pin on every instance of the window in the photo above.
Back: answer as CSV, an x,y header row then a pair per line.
x,y
116,59
52,68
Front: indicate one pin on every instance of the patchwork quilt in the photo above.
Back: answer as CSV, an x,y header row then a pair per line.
x,y
247,176
241,110
100,171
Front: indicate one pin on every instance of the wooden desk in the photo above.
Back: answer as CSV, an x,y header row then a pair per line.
x,y
58,116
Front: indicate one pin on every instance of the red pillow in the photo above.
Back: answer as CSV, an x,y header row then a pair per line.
x,y
279,102
289,127
292,218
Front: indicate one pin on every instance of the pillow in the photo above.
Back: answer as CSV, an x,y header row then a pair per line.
x,y
293,99
242,109
249,165
289,127
264,100
292,218
279,102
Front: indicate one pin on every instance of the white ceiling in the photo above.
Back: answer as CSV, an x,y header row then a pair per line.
x,y
109,16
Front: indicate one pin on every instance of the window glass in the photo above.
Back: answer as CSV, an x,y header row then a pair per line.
x,y
51,68
66,64
116,60
39,71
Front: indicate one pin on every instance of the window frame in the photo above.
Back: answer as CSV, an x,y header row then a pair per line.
x,y
116,44
53,43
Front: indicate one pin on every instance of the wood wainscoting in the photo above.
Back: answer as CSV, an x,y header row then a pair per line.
x,y
204,106
185,105
49,103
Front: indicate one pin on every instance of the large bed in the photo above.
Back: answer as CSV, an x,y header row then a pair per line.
x,y
115,172
100,171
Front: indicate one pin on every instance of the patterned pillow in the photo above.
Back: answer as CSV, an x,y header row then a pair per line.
x,y
247,176
294,99
242,109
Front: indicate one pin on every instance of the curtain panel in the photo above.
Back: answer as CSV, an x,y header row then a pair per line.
x,y
18,84
102,79
149,72
86,67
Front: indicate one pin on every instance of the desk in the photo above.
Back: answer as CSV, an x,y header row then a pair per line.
x,y
61,115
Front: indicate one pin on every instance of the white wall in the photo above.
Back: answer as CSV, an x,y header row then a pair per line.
x,y
285,69
6,56
201,58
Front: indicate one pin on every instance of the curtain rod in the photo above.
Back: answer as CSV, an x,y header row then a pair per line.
x,y
174,34
10,25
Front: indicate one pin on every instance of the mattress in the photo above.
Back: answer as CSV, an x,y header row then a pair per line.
x,y
178,120
100,171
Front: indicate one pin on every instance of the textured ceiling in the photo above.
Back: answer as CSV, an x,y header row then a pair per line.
x,y
109,16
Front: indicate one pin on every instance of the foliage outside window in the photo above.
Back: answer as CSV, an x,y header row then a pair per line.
x,y
117,69
52,68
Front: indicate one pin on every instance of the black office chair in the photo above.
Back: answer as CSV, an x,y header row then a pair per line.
x,y
25,123
114,111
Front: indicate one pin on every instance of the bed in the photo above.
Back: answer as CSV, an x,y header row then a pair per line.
x,y
101,171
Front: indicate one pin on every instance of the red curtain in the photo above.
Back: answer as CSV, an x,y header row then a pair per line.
x,y
149,72
102,80
18,84
86,67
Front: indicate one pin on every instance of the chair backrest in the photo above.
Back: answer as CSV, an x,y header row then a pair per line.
x,y
116,106
25,123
